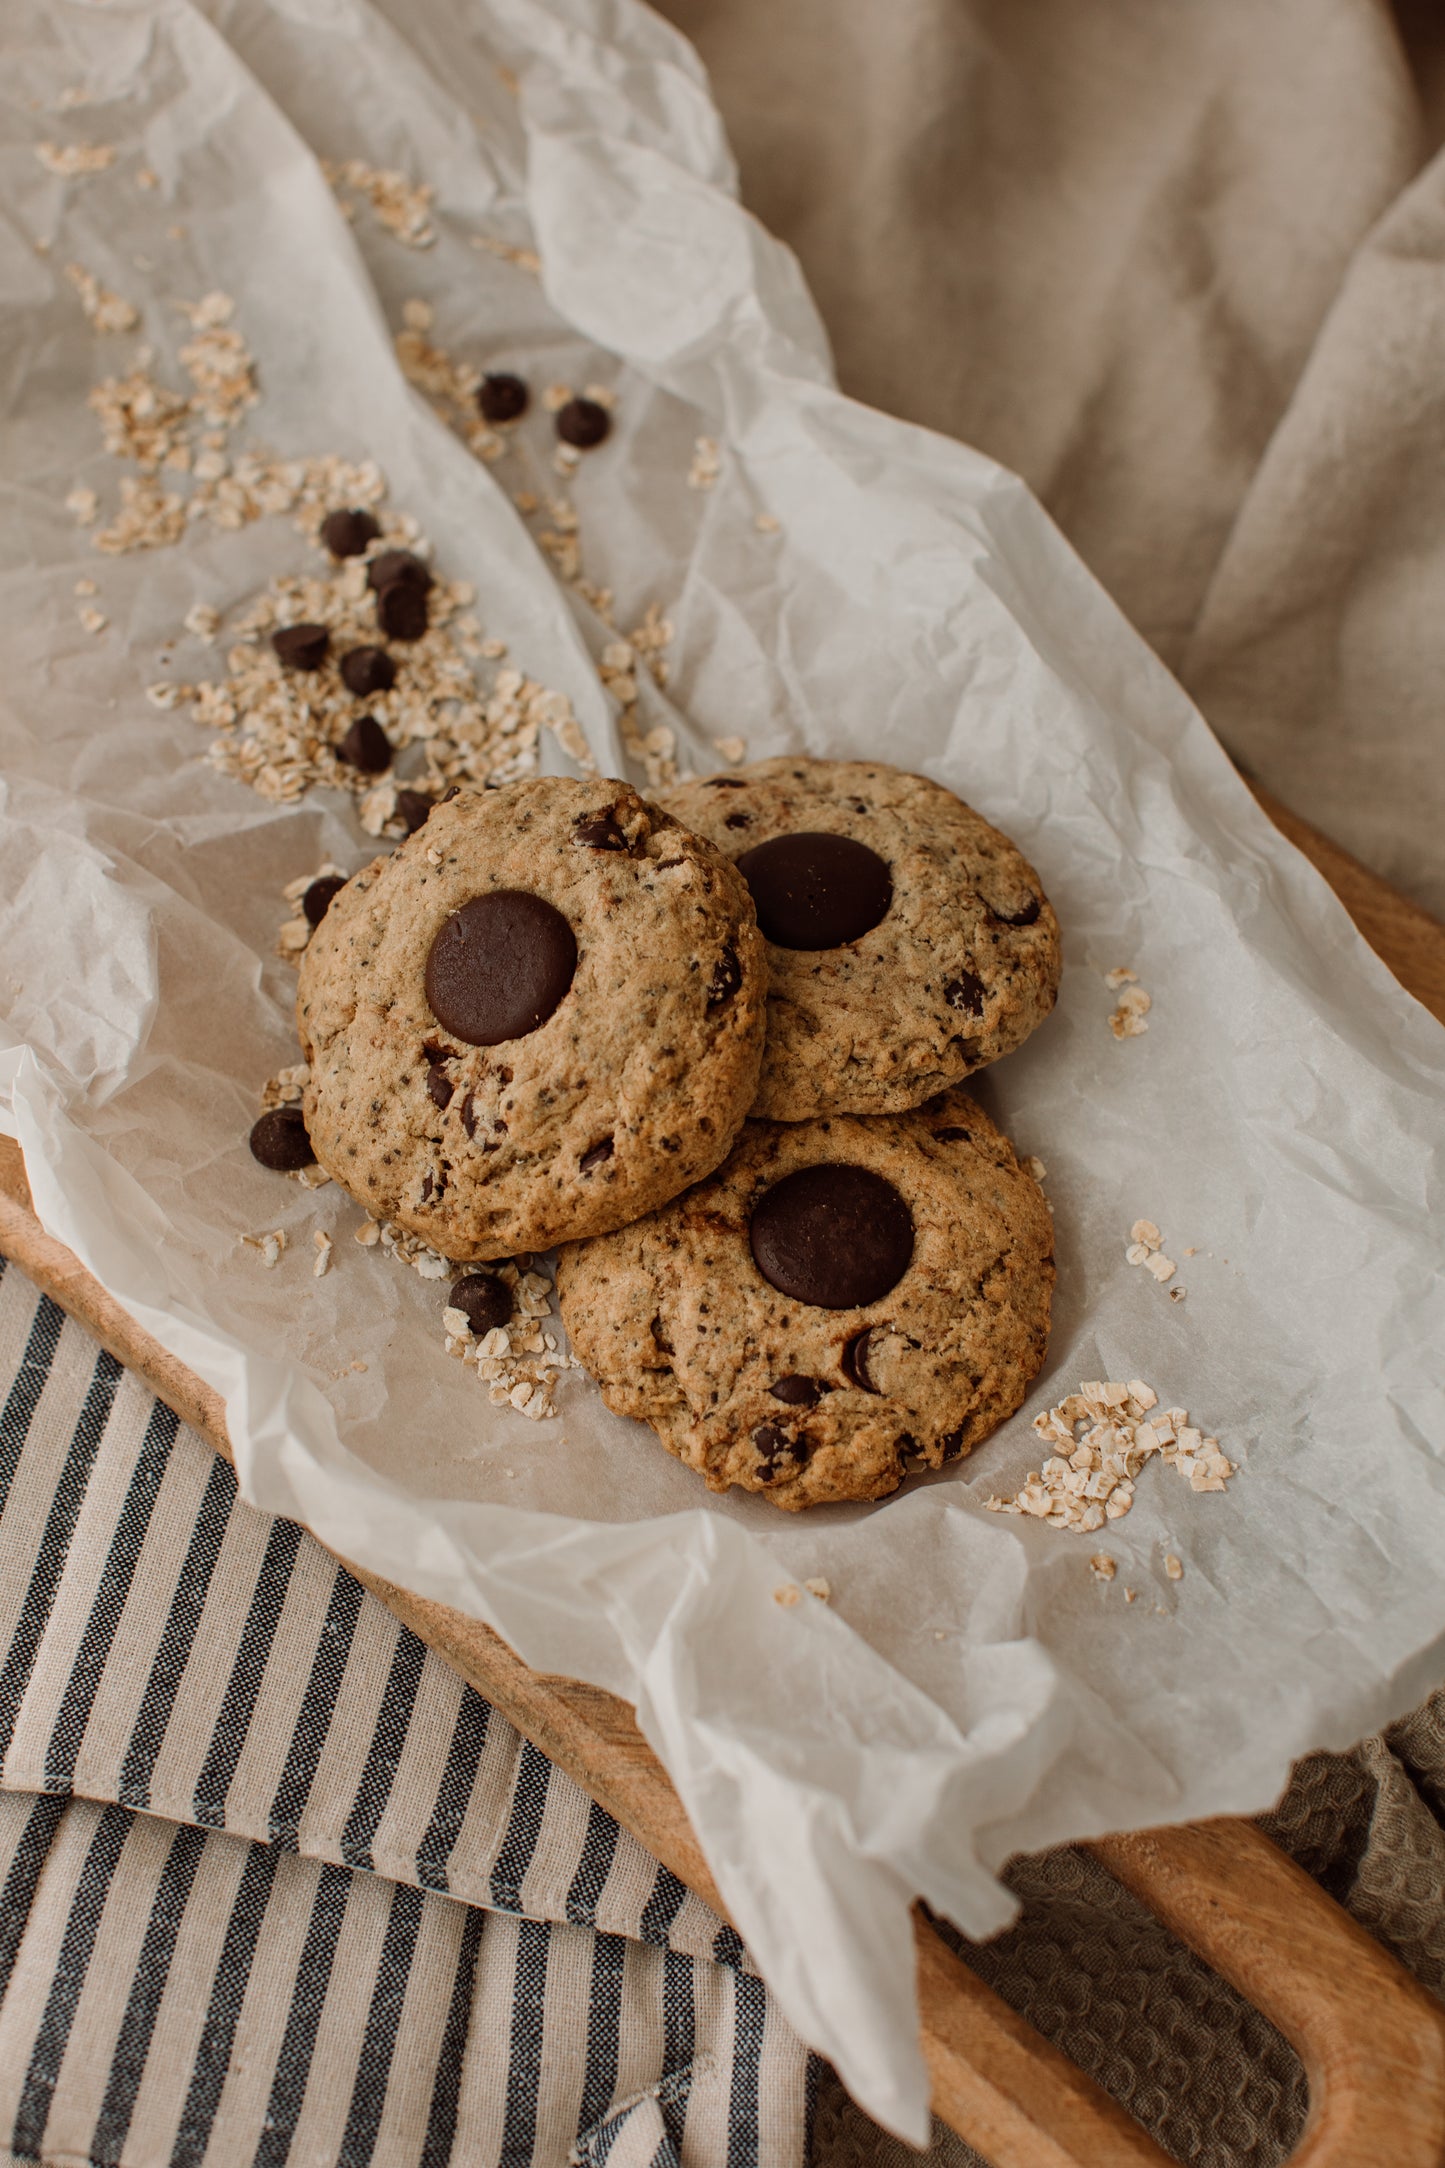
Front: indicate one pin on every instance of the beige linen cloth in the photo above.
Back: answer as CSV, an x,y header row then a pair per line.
x,y
1181,264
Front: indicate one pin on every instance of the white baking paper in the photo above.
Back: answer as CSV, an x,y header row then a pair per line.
x,y
973,1688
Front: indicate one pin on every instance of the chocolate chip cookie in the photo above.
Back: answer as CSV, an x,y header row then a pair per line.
x,y
909,943
538,1018
843,1300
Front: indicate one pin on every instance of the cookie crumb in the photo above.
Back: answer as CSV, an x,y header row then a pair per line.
x,y
1103,1565
787,1595
818,1587
1127,1019
1173,1567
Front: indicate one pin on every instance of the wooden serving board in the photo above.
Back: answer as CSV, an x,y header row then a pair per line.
x,y
1371,2040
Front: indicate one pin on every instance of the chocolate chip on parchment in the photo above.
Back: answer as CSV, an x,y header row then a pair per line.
x,y
832,1235
414,807
348,534
727,977
599,831
484,1300
499,966
595,1155
583,423
302,647
816,891
439,1086
367,670
965,992
395,568
401,610
320,896
502,397
796,1391
366,746
280,1142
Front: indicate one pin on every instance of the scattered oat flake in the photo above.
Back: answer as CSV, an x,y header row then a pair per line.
x,y
68,160
555,397
270,1245
93,620
1034,1165
107,311
1177,1294
1103,1566
732,750
402,207
706,464
787,1595
147,177
203,620
82,505
322,1265
1173,1567
1089,1479
766,524
86,587
368,1234
1121,975
1145,1231
818,1587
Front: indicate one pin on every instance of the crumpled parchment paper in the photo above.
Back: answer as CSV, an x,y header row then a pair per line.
x,y
848,585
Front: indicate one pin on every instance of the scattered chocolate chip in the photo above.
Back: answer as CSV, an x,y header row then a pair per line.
x,y
816,891
502,397
952,1136
366,746
401,610
499,966
661,1339
280,1142
966,993
1023,915
583,423
414,806
320,896
854,1361
727,977
796,1391
599,831
439,1087
348,534
485,1300
367,670
398,568
302,647
833,1235
595,1154
952,1442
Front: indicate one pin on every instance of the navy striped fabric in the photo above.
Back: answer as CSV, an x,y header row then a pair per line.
x,y
275,1886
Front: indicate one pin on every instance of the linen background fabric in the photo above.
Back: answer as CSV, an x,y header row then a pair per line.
x,y
1182,268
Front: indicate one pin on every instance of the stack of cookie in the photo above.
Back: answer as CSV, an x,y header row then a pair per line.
x,y
711,1047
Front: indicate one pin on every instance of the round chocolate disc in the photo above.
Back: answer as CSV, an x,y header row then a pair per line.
x,y
348,534
280,1142
834,1236
502,397
485,1301
583,423
816,891
499,966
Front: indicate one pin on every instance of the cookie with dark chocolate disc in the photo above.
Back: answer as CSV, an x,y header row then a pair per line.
x,y
538,1018
909,943
843,1300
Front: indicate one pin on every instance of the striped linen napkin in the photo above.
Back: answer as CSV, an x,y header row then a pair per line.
x,y
278,1887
